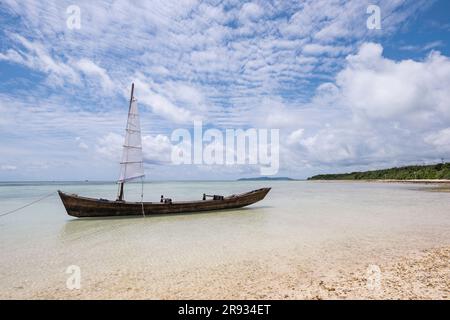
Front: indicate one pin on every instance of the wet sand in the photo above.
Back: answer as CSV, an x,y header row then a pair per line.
x,y
420,181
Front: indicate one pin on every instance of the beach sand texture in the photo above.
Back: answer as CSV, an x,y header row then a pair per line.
x,y
417,275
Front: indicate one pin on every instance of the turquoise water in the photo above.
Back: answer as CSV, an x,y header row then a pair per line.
x,y
38,243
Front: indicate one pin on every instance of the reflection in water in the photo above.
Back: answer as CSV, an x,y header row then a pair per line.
x,y
84,228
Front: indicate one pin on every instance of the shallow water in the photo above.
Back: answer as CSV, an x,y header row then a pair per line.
x,y
38,243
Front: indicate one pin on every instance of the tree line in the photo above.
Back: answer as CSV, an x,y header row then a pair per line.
x,y
417,172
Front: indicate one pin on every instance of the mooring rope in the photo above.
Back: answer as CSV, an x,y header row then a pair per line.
x,y
27,205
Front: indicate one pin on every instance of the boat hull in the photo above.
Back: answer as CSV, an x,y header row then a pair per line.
x,y
81,207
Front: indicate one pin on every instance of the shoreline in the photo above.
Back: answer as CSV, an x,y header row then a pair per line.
x,y
424,181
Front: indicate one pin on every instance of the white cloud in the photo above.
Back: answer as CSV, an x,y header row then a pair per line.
x,y
425,48
83,146
36,56
110,146
165,107
440,139
318,49
380,88
250,11
89,68
7,167
156,149
295,136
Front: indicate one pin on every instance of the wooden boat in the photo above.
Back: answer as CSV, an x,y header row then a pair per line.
x,y
79,207
132,167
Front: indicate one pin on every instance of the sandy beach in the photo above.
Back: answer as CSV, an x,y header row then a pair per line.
x,y
417,275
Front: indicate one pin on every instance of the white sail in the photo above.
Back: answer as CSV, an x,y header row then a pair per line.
x,y
132,165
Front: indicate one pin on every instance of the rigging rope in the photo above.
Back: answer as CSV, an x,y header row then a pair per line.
x,y
27,205
142,195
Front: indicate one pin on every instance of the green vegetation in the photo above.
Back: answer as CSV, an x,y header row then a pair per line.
x,y
435,171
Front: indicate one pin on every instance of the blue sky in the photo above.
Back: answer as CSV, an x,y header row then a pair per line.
x,y
344,97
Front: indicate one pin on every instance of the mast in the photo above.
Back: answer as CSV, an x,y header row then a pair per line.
x,y
120,197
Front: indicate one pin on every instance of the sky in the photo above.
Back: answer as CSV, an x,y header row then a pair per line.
x,y
344,97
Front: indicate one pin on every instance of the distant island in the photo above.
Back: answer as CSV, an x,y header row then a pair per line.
x,y
267,179
418,172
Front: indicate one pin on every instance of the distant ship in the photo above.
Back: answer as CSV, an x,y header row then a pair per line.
x,y
132,167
